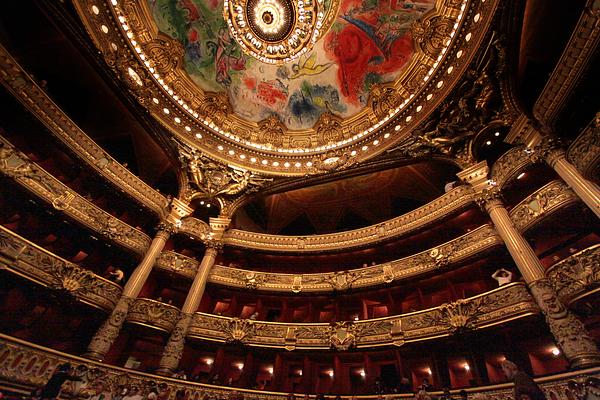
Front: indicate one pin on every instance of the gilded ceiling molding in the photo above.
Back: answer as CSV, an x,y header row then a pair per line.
x,y
573,63
153,313
150,64
16,165
447,204
38,102
544,202
452,252
577,276
24,364
495,307
30,261
584,152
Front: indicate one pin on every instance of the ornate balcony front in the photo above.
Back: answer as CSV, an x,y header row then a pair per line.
x,y
16,165
177,264
154,314
23,364
497,306
32,262
577,276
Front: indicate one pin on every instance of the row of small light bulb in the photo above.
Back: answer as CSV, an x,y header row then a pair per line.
x,y
356,137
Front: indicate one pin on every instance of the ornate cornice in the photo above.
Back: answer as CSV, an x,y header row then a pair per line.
x,y
497,306
541,204
32,262
25,364
38,102
447,204
447,41
454,251
34,178
584,152
570,67
153,313
576,275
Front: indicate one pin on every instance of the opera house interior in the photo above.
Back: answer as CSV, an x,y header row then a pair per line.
x,y
256,199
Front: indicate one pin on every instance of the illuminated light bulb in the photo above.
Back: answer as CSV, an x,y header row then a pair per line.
x,y
555,351
467,367
521,175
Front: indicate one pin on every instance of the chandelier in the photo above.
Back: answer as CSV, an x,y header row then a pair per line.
x,y
275,31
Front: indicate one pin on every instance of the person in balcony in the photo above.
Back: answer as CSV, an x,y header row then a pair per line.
x,y
54,384
525,386
503,276
117,275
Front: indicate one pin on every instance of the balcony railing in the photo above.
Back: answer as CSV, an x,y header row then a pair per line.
x,y
24,366
154,314
576,276
497,306
38,181
36,264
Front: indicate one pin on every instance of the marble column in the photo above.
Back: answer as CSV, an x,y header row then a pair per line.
x,y
174,349
110,329
550,150
568,331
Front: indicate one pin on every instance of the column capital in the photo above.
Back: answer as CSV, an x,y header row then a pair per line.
x,y
489,198
213,244
550,149
166,228
476,176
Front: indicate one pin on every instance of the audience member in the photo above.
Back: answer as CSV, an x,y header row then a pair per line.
x,y
525,386
503,276
54,384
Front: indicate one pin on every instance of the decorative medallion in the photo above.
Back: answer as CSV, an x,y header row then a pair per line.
x,y
275,31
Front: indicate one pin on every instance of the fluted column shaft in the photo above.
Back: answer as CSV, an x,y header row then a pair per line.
x,y
110,329
569,332
174,349
587,191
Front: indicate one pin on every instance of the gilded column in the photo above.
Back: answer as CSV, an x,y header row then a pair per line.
x,y
110,329
569,332
174,348
555,156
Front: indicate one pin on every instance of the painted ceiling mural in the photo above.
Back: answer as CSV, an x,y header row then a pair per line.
x,y
368,43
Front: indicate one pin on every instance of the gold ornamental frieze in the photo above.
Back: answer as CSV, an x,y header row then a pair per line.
x,y
32,262
497,306
576,58
584,152
23,364
577,275
463,247
545,201
35,179
177,264
446,40
447,204
153,313
26,90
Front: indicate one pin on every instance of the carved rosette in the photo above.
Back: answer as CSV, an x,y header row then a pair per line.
x,y
174,349
568,331
342,335
110,329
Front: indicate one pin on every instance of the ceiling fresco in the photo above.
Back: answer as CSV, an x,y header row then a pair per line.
x,y
369,42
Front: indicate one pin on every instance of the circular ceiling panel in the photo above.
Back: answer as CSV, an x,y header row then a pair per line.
x,y
375,71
